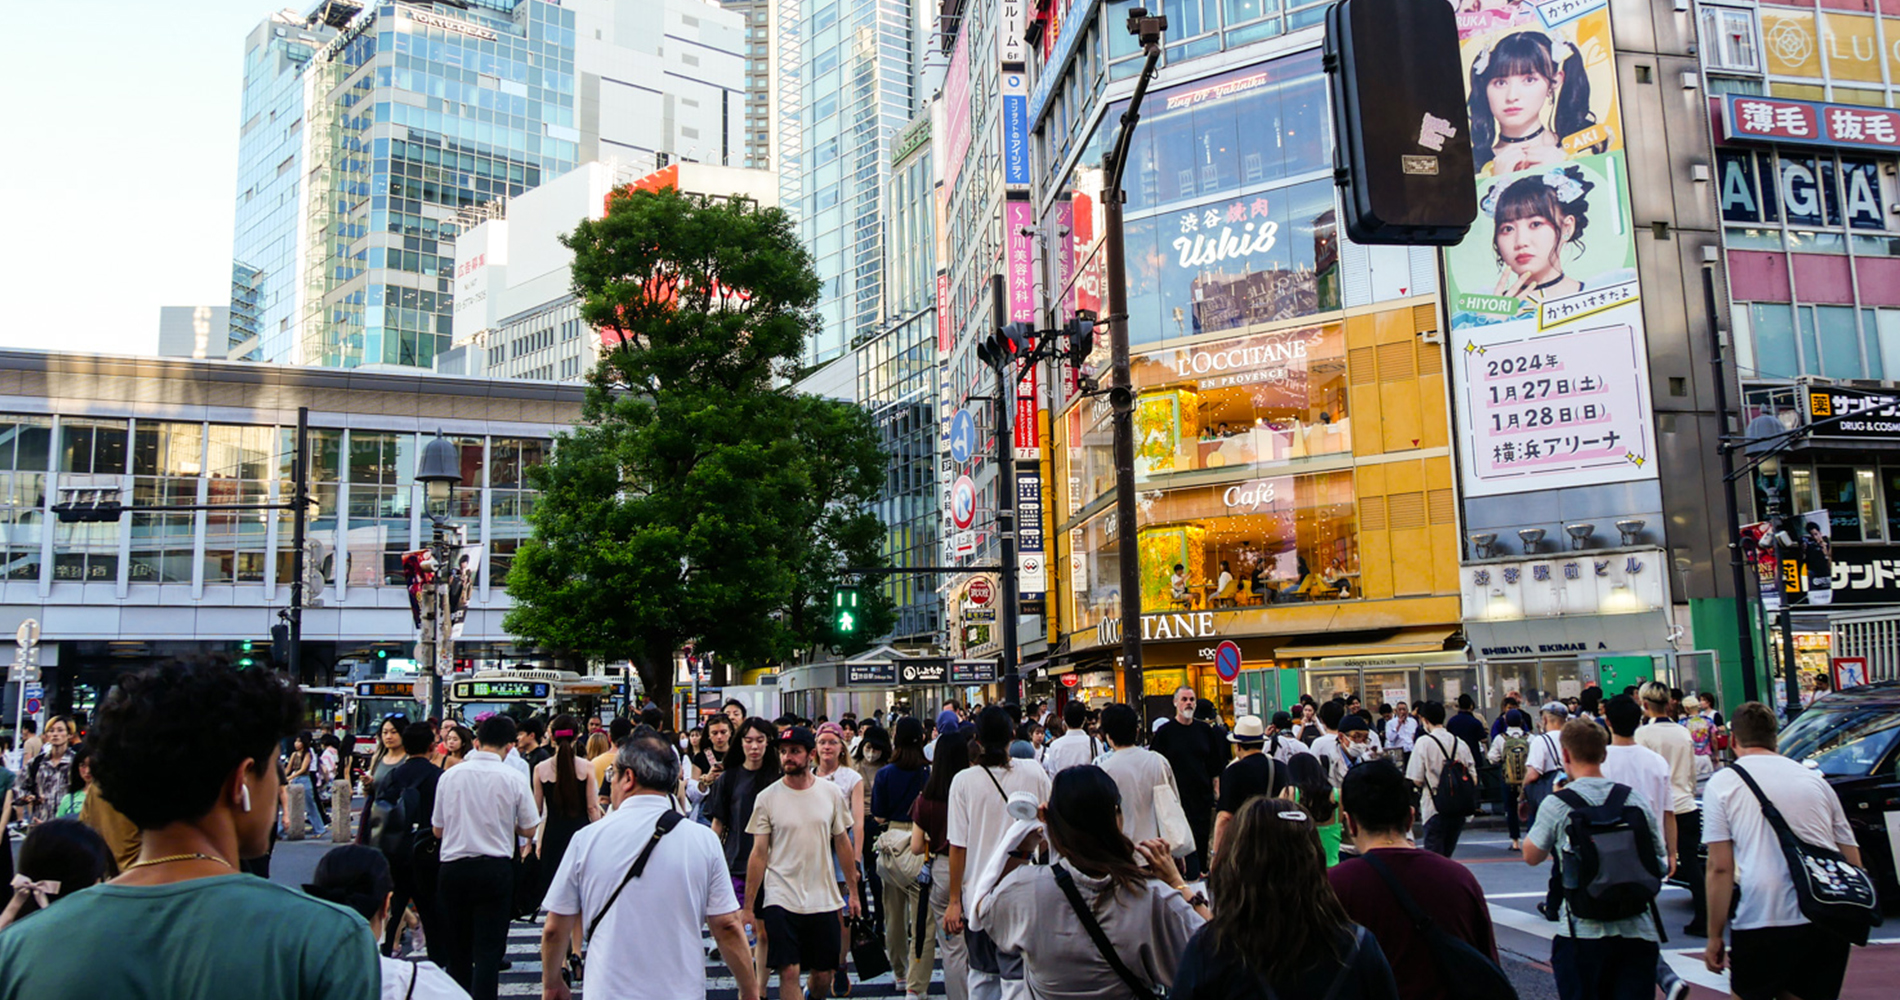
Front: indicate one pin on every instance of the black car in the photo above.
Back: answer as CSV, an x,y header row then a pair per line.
x,y
1853,737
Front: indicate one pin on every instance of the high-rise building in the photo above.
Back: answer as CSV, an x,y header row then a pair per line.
x,y
194,332
381,123
897,384
760,135
1804,195
851,76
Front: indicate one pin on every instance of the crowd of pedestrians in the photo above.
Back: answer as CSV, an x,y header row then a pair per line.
x,y
1308,854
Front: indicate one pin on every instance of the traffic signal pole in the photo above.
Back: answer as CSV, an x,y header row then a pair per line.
x,y
1006,500
1122,391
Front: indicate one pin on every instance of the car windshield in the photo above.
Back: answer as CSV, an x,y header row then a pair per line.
x,y
1843,742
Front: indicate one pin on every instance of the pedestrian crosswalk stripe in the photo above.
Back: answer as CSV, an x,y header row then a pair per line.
x,y
524,977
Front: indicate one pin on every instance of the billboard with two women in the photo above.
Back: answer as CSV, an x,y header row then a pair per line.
x,y
1550,364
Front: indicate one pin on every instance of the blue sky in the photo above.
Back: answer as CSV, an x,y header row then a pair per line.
x,y
117,164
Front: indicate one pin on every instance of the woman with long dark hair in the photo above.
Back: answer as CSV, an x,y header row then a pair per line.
x,y
1277,928
562,789
929,836
1314,791
1043,913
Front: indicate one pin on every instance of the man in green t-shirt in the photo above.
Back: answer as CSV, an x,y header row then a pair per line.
x,y
188,753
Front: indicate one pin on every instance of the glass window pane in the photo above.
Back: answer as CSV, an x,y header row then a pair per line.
x,y
1838,499
1772,325
1840,342
1810,342
1867,494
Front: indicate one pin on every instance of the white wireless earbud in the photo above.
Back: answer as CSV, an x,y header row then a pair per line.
x,y
245,791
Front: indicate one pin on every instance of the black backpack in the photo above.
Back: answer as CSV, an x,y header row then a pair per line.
x,y
1609,864
1457,792
392,823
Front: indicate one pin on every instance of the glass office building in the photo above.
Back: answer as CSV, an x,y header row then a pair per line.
x,y
856,70
370,127
266,283
897,379
413,118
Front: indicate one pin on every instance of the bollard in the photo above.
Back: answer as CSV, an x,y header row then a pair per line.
x,y
340,816
295,811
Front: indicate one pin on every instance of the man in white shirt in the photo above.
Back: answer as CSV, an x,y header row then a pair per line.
x,y
1642,769
1326,747
1672,742
1546,756
978,819
1426,768
1775,951
1075,746
645,942
481,806
1137,771
1402,732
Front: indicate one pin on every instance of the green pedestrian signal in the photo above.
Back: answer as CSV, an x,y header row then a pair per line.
x,y
844,609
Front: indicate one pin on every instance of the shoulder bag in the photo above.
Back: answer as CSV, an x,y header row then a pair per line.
x,y
1141,990
1467,971
1835,894
667,821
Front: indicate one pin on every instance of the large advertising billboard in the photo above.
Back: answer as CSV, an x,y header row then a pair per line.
x,y
1550,367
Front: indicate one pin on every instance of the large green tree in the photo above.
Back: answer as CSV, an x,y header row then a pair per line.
x,y
698,499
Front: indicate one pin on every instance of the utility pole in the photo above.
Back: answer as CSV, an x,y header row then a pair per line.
x,y
1122,391
299,513
1744,635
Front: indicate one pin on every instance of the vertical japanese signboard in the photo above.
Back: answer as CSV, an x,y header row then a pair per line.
x,y
1031,575
1550,367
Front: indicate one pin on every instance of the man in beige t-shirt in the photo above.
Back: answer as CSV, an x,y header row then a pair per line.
x,y
799,825
1673,743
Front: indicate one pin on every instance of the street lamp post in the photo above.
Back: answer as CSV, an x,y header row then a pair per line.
x,y
1122,391
439,470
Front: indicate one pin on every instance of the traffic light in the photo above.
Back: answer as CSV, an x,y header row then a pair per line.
x,y
1013,341
844,609
280,644
1078,337
381,653
1404,158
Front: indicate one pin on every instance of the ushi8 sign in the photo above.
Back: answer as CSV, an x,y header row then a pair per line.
x,y
1550,360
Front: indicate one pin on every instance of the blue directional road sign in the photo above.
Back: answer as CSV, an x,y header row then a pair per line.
x,y
962,436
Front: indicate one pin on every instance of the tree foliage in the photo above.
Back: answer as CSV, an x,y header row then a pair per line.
x,y
697,500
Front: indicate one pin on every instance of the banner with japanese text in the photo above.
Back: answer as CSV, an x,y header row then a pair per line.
x,y
1550,370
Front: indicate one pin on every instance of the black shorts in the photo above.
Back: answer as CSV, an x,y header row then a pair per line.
x,y
1804,960
811,941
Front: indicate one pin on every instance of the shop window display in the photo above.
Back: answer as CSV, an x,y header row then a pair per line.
x,y
1263,400
1275,540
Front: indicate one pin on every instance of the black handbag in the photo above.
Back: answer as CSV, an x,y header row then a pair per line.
x,y
1835,894
868,954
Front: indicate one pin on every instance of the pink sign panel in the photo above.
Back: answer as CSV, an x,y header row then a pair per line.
x,y
1021,261
1748,116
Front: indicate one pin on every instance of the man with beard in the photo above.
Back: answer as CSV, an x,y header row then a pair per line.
x,y
798,825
